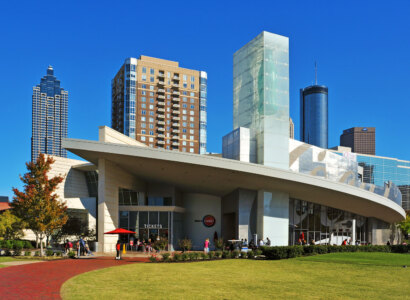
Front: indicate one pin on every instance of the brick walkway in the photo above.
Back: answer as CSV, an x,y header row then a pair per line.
x,y
44,280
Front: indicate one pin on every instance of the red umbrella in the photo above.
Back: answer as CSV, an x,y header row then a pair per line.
x,y
119,231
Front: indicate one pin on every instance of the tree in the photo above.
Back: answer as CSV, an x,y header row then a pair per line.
x,y
405,225
11,227
38,206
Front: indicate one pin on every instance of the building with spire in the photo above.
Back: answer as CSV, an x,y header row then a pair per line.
x,y
49,117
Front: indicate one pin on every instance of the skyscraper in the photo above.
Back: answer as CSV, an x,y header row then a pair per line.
x,y
360,139
261,96
291,129
160,104
49,117
314,115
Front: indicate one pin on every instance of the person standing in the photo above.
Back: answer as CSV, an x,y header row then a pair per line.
x,y
261,243
78,249
118,248
82,246
206,246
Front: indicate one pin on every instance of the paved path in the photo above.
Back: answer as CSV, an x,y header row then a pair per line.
x,y
20,262
44,280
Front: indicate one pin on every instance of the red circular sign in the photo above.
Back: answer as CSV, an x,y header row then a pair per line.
x,y
209,221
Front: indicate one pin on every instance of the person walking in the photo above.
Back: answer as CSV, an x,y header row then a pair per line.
x,y
82,246
118,248
206,246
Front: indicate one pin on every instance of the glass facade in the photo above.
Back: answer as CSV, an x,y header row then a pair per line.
x,y
202,112
324,225
261,96
314,116
49,117
130,96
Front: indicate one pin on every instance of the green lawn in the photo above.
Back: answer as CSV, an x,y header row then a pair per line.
x,y
5,259
330,276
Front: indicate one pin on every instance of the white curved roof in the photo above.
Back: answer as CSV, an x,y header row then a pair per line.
x,y
219,176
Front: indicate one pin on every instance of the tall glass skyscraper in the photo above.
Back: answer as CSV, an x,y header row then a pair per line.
x,y
49,117
314,115
261,96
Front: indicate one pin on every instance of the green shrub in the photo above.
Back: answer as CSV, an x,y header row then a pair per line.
x,y
322,249
309,250
8,244
165,256
7,252
191,256
28,245
204,256
49,252
258,252
226,254
59,253
71,254
177,257
235,254
275,253
153,258
399,248
219,243
244,254
295,251
184,256
27,253
18,245
16,252
218,254
211,254
185,244
250,254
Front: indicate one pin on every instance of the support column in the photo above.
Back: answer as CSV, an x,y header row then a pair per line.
x,y
353,242
273,217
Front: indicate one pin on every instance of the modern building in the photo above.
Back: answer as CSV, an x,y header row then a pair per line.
x,y
380,170
49,117
265,185
314,115
261,96
360,139
291,129
160,104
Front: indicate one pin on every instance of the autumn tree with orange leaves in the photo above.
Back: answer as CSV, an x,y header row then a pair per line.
x,y
38,205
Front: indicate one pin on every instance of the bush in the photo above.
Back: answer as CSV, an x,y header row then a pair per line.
x,y
59,253
204,256
226,254
27,253
177,257
185,244
165,256
218,254
235,254
161,244
211,255
399,248
71,254
295,251
184,257
17,252
258,252
191,256
7,252
18,245
49,252
250,254
244,254
153,258
219,243
28,245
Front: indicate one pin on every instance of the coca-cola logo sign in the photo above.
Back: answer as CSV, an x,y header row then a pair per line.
x,y
208,221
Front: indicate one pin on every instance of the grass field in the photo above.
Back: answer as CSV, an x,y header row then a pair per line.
x,y
330,276
5,259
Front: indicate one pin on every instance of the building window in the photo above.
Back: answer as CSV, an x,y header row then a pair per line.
x,y
143,138
184,77
191,131
192,100
184,124
192,106
143,119
151,87
151,119
184,99
192,94
191,112
192,78
143,99
168,74
192,119
144,70
151,100
143,112
192,87
143,125
143,131
151,79
184,111
151,126
144,77
184,130
184,118
143,92
185,85
143,105
191,144
184,149
184,93
151,139
151,113
152,71
192,125
183,143
184,105
191,150
151,106
151,132
144,86
191,137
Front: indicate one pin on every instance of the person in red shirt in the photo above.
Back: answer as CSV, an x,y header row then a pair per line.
x,y
118,248
344,242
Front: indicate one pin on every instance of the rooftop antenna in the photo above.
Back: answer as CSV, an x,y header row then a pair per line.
x,y
315,73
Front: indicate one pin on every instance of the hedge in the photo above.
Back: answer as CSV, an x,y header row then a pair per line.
x,y
15,244
283,252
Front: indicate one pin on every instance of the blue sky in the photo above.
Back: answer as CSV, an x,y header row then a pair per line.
x,y
361,47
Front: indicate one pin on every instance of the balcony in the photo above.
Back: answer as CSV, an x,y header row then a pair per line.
x,y
175,118
160,142
161,75
161,82
160,116
174,99
161,129
161,103
175,144
175,106
161,135
161,97
175,131
176,77
161,91
175,85
175,92
175,124
161,123
175,137
161,110
176,112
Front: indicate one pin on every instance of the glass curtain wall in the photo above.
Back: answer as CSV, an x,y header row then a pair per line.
x,y
313,223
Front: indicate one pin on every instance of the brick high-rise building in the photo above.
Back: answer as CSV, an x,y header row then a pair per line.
x,y
360,139
160,104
